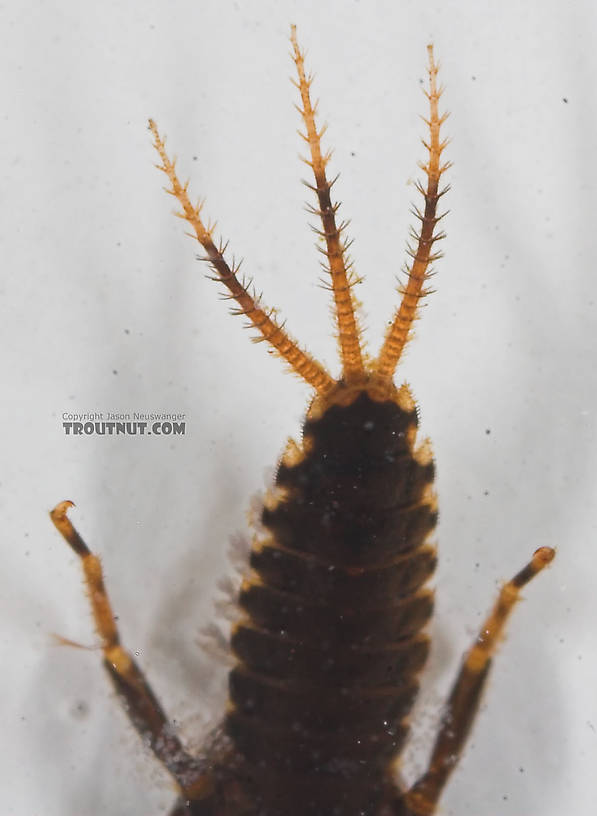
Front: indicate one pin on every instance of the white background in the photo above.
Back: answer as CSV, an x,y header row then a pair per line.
x,y
105,308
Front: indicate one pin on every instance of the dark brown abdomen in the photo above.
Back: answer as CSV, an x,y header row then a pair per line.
x,y
331,646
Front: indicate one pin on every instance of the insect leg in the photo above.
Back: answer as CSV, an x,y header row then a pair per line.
x,y
141,704
465,696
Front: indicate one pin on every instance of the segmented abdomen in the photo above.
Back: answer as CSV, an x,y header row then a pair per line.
x,y
330,646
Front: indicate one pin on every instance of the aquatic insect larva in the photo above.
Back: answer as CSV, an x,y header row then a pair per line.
x,y
330,638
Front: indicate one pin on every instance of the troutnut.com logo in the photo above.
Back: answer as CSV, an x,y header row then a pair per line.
x,y
135,423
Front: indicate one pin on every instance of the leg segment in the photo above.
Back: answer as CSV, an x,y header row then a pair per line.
x,y
143,708
463,703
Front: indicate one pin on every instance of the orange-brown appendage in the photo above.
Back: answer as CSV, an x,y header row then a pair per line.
x,y
465,697
343,279
94,580
141,703
422,256
260,316
493,627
